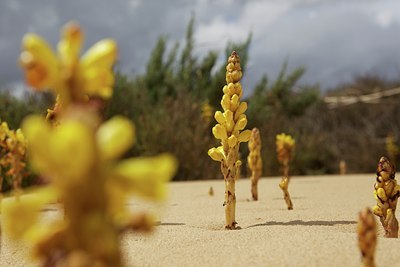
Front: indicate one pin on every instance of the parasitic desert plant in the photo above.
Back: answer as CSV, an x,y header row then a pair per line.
x,y
386,193
285,145
12,157
254,161
229,129
79,158
366,230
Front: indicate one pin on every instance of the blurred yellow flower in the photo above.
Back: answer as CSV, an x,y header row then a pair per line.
x,y
115,136
20,216
285,147
146,176
64,73
64,153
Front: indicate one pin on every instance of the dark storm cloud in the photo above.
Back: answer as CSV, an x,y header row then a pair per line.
x,y
334,39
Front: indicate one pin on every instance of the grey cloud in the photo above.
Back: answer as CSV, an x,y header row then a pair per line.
x,y
333,39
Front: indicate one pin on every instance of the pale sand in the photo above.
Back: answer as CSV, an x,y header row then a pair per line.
x,y
320,231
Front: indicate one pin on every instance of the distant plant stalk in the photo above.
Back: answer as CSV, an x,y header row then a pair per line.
x,y
229,128
254,161
366,230
285,145
386,193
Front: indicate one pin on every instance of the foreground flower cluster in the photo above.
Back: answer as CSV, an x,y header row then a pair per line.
x,y
78,156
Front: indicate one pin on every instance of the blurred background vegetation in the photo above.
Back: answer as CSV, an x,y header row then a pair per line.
x,y
173,102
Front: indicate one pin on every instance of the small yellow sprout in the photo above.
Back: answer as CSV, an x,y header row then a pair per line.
x,y
211,191
285,145
386,193
231,122
366,230
254,161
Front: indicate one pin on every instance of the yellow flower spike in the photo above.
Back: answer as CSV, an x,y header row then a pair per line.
x,y
285,149
48,152
386,196
114,137
39,62
219,132
228,153
146,176
216,154
232,141
70,44
254,161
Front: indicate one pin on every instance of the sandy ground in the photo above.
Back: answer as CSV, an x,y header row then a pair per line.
x,y
320,231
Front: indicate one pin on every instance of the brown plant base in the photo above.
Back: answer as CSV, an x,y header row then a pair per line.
x,y
254,191
390,224
284,184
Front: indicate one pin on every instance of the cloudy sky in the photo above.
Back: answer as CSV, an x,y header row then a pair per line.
x,y
334,39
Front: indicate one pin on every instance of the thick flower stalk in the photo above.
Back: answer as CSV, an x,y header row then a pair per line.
x,y
254,161
12,156
285,145
366,230
230,130
386,193
79,157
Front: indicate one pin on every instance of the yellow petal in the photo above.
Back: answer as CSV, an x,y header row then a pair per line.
x,y
219,132
115,137
101,55
225,102
244,136
219,117
216,154
71,42
20,215
381,194
39,62
232,141
146,176
240,124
